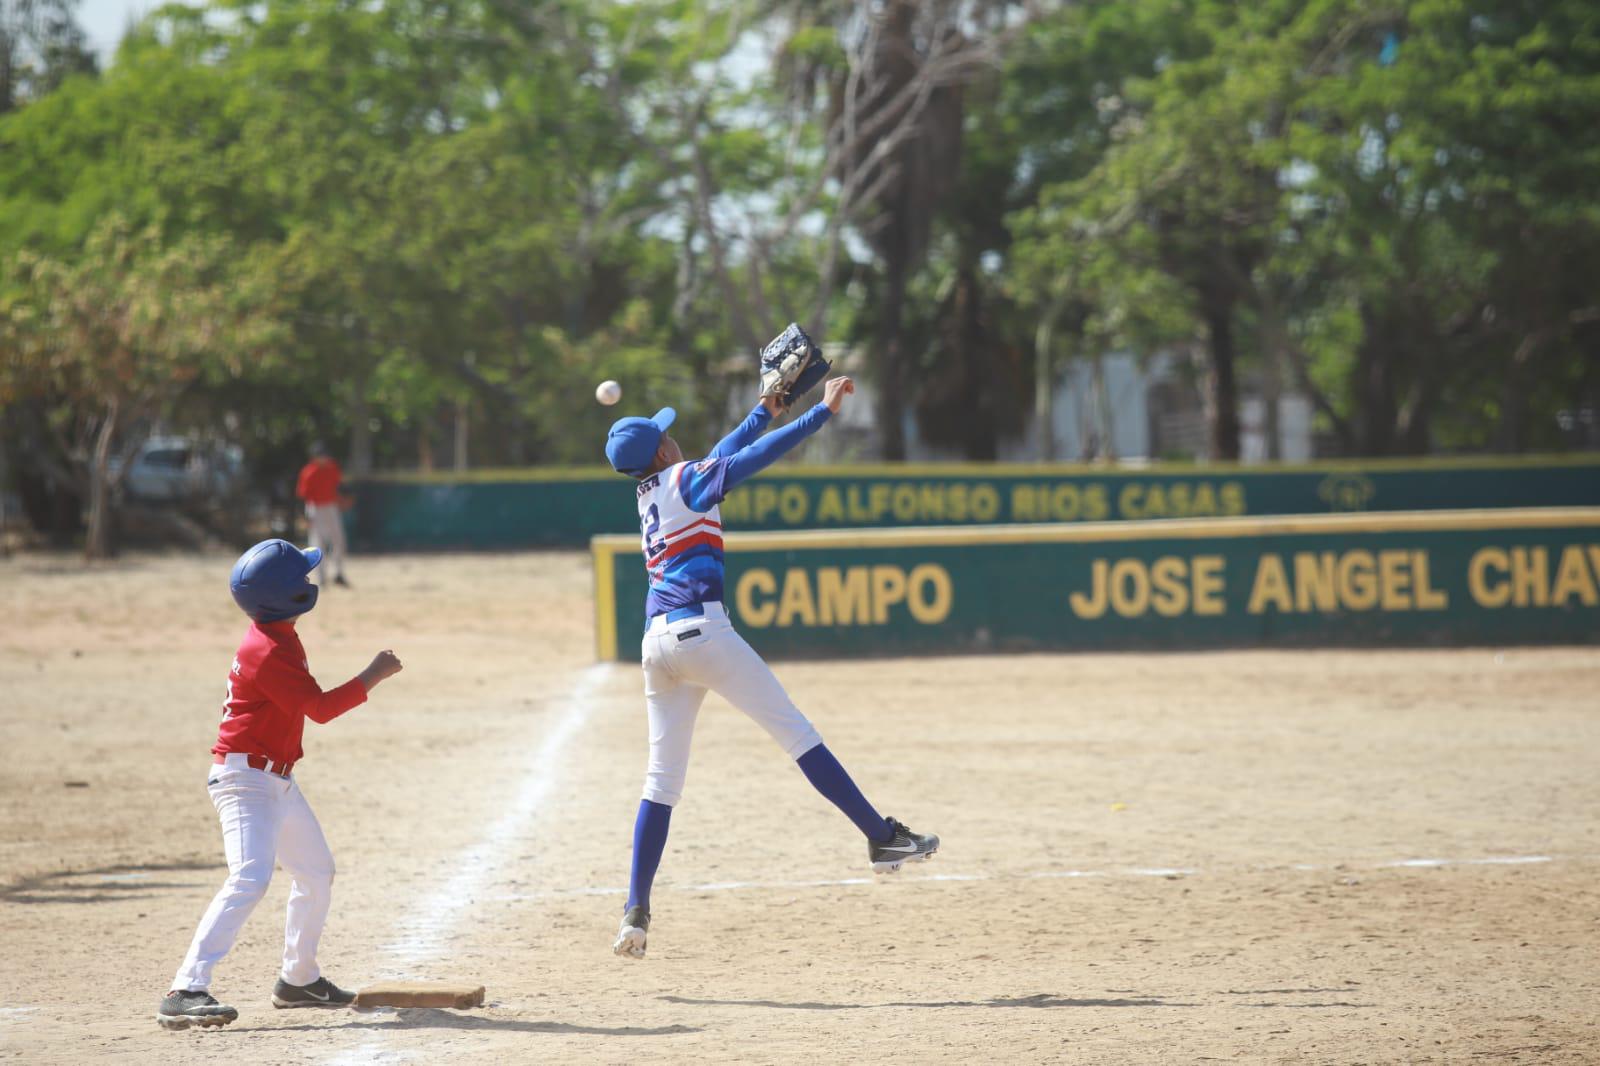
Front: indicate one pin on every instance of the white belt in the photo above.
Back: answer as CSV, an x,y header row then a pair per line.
x,y
714,611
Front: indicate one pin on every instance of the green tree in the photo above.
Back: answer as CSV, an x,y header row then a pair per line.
x,y
1362,198
41,45
1086,264
891,82
108,342
1450,207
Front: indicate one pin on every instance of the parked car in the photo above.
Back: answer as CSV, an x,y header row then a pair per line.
x,y
180,470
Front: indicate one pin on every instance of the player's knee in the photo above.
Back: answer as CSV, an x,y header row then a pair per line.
x,y
663,780
249,886
314,875
802,741
318,876
666,794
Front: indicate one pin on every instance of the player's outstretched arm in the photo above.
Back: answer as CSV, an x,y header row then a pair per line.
x,y
748,430
754,458
708,482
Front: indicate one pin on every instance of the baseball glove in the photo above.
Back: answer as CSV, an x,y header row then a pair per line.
x,y
791,365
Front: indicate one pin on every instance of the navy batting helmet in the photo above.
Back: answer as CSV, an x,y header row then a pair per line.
x,y
271,581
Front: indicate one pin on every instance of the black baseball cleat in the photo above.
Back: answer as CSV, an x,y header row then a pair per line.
x,y
631,937
903,846
319,993
182,1008
340,581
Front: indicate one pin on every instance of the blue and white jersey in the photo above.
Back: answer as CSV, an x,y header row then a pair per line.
x,y
681,528
680,523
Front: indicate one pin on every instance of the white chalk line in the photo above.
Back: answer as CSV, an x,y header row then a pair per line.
x,y
11,1016
1036,875
370,1052
428,924
431,919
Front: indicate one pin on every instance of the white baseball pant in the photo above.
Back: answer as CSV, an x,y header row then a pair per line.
x,y
682,661
265,819
326,523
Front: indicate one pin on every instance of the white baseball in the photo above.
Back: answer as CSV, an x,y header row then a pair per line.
x,y
608,392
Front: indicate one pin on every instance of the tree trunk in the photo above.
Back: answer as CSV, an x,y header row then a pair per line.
x,y
360,463
425,444
981,433
1094,430
1105,428
1280,363
1416,437
5,483
1088,430
461,435
97,535
1222,394
1044,384
517,442
1513,436
1271,395
1586,393
1376,404
891,366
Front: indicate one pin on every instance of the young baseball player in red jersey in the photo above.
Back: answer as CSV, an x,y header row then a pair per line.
x,y
265,819
318,486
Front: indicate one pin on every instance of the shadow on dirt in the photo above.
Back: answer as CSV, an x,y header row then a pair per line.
x,y
106,884
1040,1000
432,1018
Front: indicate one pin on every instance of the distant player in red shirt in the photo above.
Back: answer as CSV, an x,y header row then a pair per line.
x,y
265,819
318,486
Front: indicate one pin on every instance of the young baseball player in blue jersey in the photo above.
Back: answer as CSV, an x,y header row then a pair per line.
x,y
690,647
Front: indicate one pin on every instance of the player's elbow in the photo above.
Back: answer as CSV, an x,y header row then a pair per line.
x,y
319,712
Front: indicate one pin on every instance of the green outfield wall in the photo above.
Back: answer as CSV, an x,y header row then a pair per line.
x,y
567,507
1403,579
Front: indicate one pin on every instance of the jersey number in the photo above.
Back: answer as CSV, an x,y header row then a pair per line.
x,y
651,524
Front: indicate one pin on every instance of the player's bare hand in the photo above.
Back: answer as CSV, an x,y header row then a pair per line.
x,y
384,664
834,392
773,404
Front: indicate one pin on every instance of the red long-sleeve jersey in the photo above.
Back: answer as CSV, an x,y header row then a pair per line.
x,y
271,693
319,481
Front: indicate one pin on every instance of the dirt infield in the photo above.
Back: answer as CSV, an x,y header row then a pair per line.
x,y
1312,857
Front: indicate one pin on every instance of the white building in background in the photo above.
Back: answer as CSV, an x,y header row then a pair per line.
x,y
1149,410
1294,429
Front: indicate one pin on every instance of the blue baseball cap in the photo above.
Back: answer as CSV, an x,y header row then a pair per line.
x,y
631,445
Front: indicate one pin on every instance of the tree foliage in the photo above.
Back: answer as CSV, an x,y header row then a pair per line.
x,y
453,216
1380,203
108,340
41,45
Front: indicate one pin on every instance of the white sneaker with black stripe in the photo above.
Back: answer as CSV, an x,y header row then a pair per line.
x,y
631,937
903,846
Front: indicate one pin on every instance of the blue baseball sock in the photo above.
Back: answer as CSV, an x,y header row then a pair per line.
x,y
830,779
649,840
